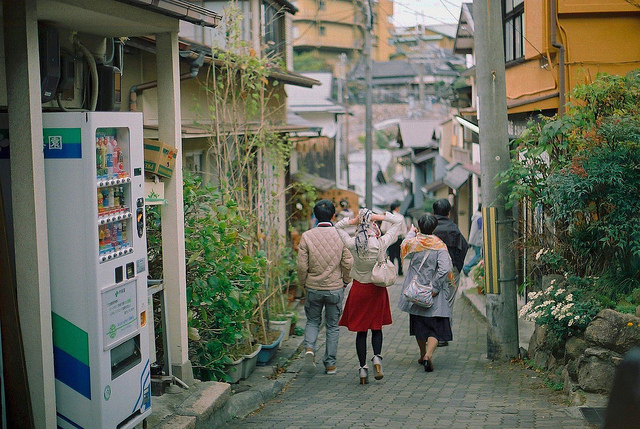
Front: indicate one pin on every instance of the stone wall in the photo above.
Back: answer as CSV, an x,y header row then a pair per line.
x,y
588,362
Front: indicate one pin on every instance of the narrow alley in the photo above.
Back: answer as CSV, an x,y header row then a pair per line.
x,y
465,390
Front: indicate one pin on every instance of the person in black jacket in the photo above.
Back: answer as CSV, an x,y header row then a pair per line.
x,y
449,232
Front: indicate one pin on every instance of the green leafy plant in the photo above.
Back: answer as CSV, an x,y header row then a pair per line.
x,y
248,153
224,276
574,175
478,275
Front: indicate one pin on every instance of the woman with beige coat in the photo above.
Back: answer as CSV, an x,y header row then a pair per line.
x,y
367,307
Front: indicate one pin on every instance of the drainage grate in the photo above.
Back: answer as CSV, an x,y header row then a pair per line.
x,y
593,415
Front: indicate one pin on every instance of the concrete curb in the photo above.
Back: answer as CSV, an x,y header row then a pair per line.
x,y
212,404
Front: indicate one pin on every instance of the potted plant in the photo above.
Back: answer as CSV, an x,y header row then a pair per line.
x,y
233,367
268,351
250,360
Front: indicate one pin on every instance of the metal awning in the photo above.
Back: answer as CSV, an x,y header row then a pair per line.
x,y
424,156
180,9
468,124
456,177
320,183
433,186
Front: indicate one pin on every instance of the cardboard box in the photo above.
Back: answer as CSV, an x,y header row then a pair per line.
x,y
159,157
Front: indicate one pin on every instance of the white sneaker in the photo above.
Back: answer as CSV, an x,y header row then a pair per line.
x,y
310,361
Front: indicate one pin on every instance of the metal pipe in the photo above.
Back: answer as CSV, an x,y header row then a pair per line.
x,y
196,60
560,47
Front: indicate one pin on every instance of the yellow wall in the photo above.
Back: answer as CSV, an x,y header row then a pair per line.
x,y
595,40
605,43
343,23
382,30
339,19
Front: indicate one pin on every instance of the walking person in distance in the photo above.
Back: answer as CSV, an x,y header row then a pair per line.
x,y
394,249
323,269
430,261
475,241
367,307
450,234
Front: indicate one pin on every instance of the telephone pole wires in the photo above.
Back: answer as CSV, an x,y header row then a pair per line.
x,y
502,318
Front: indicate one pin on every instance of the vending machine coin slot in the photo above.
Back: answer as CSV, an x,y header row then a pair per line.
x,y
119,274
130,270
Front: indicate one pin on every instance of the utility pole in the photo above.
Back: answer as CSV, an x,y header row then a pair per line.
x,y
368,142
502,319
339,134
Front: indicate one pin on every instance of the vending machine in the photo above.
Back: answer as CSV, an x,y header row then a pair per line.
x,y
94,172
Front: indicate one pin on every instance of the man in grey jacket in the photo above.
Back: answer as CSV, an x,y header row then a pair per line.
x,y
324,264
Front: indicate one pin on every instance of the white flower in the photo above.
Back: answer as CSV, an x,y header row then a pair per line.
x,y
569,297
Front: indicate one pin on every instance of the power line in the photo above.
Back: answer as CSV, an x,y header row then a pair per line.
x,y
420,13
447,9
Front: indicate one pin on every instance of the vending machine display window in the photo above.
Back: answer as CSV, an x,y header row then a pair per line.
x,y
113,192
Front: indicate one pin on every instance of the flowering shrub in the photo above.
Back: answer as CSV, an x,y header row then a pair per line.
x,y
550,261
563,312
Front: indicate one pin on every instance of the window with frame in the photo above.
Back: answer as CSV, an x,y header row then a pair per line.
x,y
322,30
273,30
321,5
513,29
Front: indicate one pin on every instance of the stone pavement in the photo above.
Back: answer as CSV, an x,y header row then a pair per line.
x,y
465,391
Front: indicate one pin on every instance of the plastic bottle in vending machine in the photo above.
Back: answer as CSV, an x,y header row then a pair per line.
x,y
114,237
100,202
107,238
119,235
124,233
112,198
105,200
101,238
116,150
103,157
122,200
98,159
116,198
109,158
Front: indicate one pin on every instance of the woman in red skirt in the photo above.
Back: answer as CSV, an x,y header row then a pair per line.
x,y
367,307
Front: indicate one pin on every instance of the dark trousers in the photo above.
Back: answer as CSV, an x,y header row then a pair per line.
x,y
394,253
